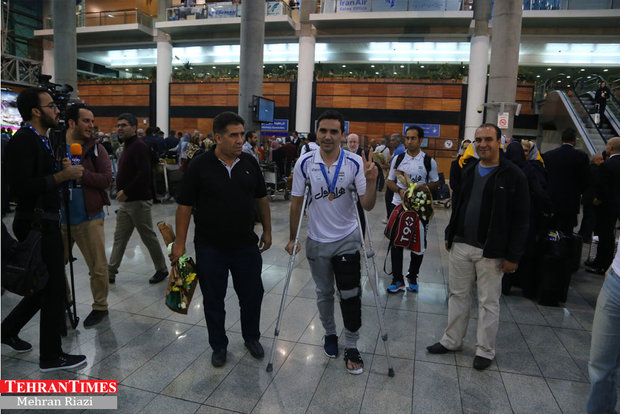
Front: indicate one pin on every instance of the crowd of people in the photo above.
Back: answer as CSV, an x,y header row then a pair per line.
x,y
508,199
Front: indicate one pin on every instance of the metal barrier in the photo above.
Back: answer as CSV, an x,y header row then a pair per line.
x,y
222,10
107,18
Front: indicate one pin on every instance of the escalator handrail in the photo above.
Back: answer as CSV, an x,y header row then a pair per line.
x,y
576,119
598,129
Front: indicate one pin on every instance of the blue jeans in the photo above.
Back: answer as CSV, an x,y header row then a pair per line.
x,y
245,265
604,363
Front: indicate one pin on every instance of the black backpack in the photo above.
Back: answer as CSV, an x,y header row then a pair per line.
x,y
427,163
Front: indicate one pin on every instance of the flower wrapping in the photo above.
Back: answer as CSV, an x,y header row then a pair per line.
x,y
419,199
182,279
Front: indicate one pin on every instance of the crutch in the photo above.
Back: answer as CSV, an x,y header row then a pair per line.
x,y
370,255
291,261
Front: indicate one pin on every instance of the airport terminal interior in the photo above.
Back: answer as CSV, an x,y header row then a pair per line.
x,y
385,65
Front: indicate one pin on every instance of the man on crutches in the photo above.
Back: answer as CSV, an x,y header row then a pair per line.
x,y
333,243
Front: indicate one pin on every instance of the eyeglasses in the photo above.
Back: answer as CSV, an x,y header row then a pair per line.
x,y
51,105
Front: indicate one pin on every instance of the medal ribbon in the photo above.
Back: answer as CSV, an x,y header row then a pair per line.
x,y
41,137
332,187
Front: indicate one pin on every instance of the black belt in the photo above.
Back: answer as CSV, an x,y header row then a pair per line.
x,y
43,215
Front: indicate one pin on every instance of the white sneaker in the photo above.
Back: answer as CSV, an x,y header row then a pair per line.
x,y
384,221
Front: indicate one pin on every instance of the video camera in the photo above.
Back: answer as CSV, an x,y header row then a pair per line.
x,y
61,94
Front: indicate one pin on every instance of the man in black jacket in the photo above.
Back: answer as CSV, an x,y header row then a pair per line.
x,y
485,237
608,208
34,176
568,175
134,194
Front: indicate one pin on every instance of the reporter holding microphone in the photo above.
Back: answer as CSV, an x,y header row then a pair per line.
x,y
34,179
87,196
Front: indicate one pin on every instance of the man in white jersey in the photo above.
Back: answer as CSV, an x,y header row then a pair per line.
x,y
333,243
604,364
421,169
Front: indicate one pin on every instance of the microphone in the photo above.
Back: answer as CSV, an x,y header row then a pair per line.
x,y
76,154
76,159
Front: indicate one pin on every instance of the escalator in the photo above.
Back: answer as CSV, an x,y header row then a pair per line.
x,y
564,103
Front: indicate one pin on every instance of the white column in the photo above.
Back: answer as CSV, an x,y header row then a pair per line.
x,y
47,67
477,78
305,77
164,70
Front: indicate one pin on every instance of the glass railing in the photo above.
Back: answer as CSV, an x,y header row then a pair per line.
x,y
106,18
361,6
222,10
570,4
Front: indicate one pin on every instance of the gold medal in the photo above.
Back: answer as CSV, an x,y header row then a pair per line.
x,y
331,196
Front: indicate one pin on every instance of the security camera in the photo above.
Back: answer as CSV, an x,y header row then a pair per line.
x,y
480,108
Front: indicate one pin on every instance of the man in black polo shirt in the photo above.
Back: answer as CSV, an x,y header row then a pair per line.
x,y
222,187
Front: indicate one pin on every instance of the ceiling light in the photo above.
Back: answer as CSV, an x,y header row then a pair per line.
x,y
402,66
372,66
568,77
344,66
126,69
350,73
559,81
395,73
280,66
109,15
605,70
582,70
140,69
421,66
548,68
237,66
213,67
376,73
538,76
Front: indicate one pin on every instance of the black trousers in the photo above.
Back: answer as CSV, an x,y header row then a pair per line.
x,y
50,300
605,227
245,265
588,223
565,222
396,254
389,194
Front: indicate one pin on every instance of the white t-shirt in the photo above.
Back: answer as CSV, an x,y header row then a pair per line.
x,y
312,145
415,169
329,221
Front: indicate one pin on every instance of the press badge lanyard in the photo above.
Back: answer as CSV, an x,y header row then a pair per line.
x,y
41,137
332,187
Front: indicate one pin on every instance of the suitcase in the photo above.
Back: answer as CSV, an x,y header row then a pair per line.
x,y
553,269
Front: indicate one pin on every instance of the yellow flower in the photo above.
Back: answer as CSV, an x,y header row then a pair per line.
x,y
175,289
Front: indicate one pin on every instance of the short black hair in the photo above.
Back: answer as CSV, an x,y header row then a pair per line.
x,y
331,114
569,135
249,134
498,132
311,137
73,111
179,134
149,131
417,128
173,132
129,117
221,122
27,100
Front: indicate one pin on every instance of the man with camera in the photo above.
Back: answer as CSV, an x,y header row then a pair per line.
x,y
34,177
86,200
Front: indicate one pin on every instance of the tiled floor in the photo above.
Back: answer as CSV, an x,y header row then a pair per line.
x,y
162,360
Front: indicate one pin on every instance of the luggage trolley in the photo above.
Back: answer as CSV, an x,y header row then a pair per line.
x,y
274,181
442,195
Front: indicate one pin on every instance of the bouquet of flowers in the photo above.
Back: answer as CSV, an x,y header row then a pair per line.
x,y
417,197
182,280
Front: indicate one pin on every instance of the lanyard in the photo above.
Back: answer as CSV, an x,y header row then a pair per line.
x,y
43,139
332,187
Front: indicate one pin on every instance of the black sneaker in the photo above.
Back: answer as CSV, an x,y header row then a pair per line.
x,y
94,317
218,358
158,276
330,345
256,349
437,348
18,345
481,363
64,361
